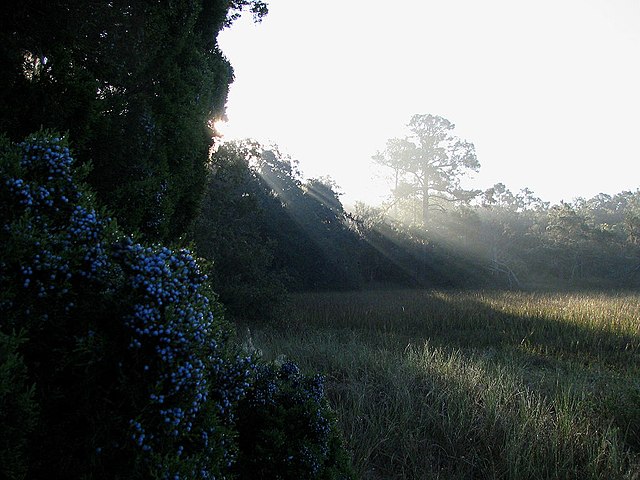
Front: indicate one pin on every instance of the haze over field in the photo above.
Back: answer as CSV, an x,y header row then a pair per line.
x,y
546,91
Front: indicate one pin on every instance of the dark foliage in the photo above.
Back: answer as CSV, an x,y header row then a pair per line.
x,y
312,242
285,431
232,235
18,409
125,348
134,83
133,370
265,231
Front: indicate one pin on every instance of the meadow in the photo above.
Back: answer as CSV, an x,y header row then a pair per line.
x,y
481,384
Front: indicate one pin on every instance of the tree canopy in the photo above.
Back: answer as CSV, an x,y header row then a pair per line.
x,y
135,84
428,164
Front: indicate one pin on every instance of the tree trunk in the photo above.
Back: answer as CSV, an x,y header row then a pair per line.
x,y
425,207
395,192
425,196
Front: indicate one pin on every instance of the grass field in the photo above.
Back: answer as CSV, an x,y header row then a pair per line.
x,y
438,384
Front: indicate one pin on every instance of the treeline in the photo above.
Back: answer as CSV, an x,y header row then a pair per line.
x,y
521,241
266,231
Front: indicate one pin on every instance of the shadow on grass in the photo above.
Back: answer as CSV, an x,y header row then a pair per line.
x,y
558,356
470,321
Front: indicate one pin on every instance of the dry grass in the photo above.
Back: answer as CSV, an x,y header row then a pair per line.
x,y
433,384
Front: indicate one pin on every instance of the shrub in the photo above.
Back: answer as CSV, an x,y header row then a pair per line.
x,y
134,375
135,371
286,428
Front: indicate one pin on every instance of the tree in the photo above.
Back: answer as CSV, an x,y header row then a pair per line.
x,y
313,243
232,233
135,85
429,163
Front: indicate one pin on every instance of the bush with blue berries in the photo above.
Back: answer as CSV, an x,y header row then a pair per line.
x,y
133,373
126,366
286,428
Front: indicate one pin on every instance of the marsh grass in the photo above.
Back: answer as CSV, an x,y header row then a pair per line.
x,y
435,384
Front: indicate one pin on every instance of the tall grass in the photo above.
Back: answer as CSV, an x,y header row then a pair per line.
x,y
434,384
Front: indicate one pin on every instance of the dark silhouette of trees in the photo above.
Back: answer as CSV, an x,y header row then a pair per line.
x,y
135,85
231,232
266,231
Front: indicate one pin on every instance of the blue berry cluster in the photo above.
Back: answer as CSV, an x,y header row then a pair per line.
x,y
58,233
46,183
86,230
176,336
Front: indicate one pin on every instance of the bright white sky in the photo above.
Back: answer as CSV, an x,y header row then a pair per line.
x,y
548,91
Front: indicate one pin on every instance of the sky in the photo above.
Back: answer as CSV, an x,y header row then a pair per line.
x,y
547,91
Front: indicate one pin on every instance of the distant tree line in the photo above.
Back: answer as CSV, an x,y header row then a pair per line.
x,y
267,231
518,240
586,242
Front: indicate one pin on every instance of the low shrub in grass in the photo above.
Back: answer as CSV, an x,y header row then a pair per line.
x,y
133,369
286,428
